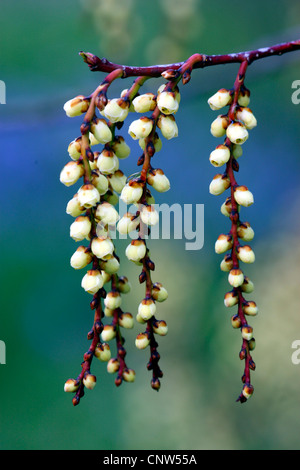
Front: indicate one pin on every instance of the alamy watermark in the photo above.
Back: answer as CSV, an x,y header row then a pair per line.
x,y
178,221
296,354
296,93
2,92
2,352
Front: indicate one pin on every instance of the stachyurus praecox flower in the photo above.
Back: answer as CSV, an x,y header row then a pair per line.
x,y
95,169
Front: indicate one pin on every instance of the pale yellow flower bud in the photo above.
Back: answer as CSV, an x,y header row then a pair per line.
x,y
219,125
107,162
140,128
149,215
121,149
92,281
220,99
124,285
245,232
158,180
113,366
136,250
126,320
71,386
107,214
129,375
128,223
244,98
89,381
219,156
237,133
156,142
223,243
113,300
247,332
102,247
117,181
236,277
167,102
142,341
116,110
81,258
111,266
246,116
159,292
230,299
132,192
100,182
76,106
237,150
236,321
147,309
101,131
167,126
219,184
74,208
108,333
250,308
246,254
88,196
160,328
247,286
80,228
144,103
226,264
74,149
71,173
243,196
102,352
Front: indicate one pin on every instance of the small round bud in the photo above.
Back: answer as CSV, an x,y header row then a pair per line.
x,y
147,309
74,208
140,128
124,285
107,162
244,98
76,106
80,228
167,126
126,320
246,254
100,182
247,332
247,391
74,149
167,102
113,300
158,180
252,344
149,215
236,277
231,299
243,196
117,181
219,156
159,293
101,131
139,319
108,333
246,116
108,312
236,321
237,151
142,341
132,192
89,381
226,208
120,148
113,366
116,110
71,386
106,214
111,266
219,125
237,133
92,281
128,223
81,258
88,196
219,184
136,250
129,375
71,173
247,286
226,264
220,99
250,308
245,232
102,247
160,327
144,103
223,244
102,352
156,142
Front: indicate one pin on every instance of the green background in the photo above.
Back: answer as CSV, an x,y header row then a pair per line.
x,y
45,314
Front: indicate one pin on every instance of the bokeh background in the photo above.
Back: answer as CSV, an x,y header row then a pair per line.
x,y
45,314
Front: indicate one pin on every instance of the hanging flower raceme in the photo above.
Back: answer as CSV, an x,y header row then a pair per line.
x,y
235,126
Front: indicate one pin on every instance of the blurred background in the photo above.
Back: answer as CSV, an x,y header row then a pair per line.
x,y
45,315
